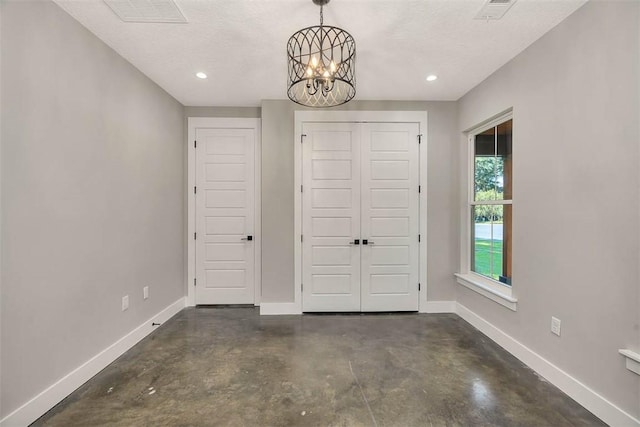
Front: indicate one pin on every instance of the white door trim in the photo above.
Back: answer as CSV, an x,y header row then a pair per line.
x,y
194,123
419,117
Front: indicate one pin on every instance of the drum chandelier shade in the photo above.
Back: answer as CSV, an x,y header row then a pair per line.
x,y
322,65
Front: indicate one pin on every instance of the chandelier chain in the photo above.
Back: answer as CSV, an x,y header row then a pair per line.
x,y
321,15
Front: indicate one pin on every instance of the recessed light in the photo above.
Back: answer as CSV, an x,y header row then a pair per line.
x,y
201,75
432,77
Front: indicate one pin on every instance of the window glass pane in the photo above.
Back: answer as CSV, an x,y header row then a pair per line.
x,y
485,165
506,244
503,156
496,249
492,163
490,241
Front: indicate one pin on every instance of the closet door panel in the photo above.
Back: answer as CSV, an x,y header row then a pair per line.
x,y
390,216
330,217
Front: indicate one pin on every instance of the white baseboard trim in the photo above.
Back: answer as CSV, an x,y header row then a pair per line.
x,y
598,405
47,399
276,308
439,307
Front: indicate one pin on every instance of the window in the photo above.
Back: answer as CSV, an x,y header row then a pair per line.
x,y
488,239
491,203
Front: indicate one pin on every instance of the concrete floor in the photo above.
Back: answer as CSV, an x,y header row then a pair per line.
x,y
231,367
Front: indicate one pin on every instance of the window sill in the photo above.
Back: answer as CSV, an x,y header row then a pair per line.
x,y
633,360
477,284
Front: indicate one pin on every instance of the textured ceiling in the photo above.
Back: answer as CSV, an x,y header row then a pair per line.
x,y
240,44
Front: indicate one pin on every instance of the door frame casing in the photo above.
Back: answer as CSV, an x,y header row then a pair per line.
x,y
194,123
419,117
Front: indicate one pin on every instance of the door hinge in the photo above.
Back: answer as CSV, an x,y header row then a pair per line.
x,y
195,189
194,236
195,144
194,282
302,138
419,138
301,188
418,286
419,188
301,238
418,237
301,287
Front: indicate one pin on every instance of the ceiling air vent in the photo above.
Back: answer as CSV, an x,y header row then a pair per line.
x,y
165,11
494,9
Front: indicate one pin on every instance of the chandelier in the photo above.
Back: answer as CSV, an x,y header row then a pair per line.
x,y
322,64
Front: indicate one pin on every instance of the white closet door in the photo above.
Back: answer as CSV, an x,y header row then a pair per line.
x,y
225,216
390,216
331,217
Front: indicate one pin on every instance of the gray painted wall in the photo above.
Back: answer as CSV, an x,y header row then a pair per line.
x,y
278,194
574,95
91,197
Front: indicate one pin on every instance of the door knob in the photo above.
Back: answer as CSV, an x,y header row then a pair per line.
x,y
247,238
355,242
367,242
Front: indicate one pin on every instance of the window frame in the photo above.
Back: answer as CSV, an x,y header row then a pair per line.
x,y
495,290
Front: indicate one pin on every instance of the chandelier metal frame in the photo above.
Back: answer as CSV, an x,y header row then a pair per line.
x,y
321,65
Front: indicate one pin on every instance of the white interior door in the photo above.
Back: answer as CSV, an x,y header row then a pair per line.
x,y
331,218
390,216
360,184
225,212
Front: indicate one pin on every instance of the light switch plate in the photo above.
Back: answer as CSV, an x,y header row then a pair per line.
x,y
555,325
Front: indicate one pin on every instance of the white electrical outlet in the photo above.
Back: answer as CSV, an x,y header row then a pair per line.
x,y
145,292
125,302
555,325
